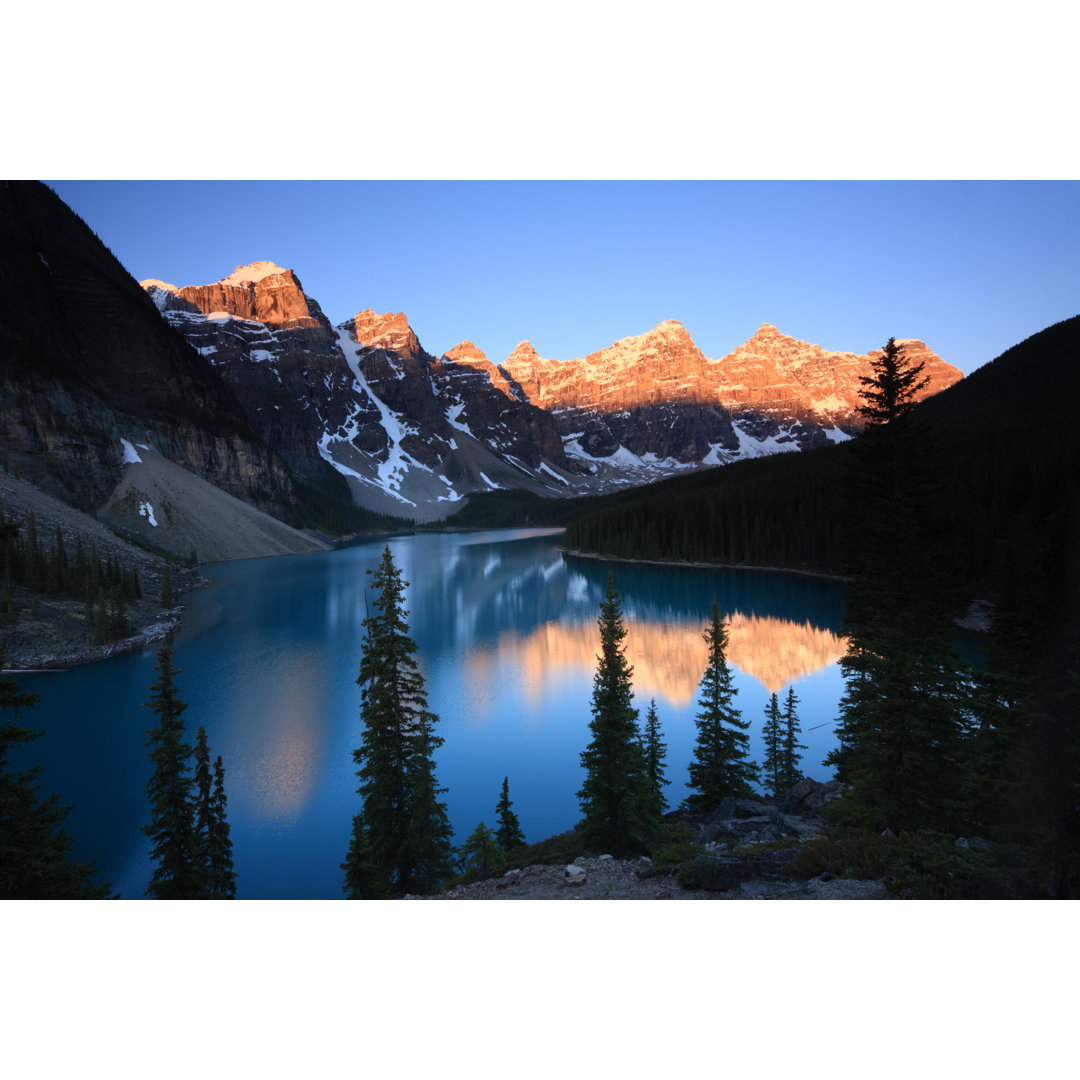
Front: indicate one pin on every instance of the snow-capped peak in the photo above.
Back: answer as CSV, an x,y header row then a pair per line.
x,y
256,271
154,283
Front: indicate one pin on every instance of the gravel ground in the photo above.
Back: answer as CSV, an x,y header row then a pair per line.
x,y
616,879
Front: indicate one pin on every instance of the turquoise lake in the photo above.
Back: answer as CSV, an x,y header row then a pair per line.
x,y
507,633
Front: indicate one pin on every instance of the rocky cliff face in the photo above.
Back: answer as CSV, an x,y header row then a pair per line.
x,y
85,359
363,398
449,427
274,347
478,397
656,399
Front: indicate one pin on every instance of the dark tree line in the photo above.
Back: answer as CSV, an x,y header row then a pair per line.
x,y
188,830
50,569
761,513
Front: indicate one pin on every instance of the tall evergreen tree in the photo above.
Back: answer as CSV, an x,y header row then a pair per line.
x,y
655,752
203,793
615,796
773,736
211,825
174,847
403,825
790,774
35,851
720,767
903,713
222,875
508,834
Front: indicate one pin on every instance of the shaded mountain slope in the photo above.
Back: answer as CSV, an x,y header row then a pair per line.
x,y
85,358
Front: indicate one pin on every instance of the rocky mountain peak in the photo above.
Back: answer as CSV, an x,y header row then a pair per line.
x,y
464,352
766,332
259,292
671,328
523,353
255,272
667,347
390,331
154,283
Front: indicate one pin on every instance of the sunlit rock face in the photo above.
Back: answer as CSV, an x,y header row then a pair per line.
x,y
656,396
669,658
786,380
261,291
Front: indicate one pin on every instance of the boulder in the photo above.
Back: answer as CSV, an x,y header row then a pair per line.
x,y
574,875
809,796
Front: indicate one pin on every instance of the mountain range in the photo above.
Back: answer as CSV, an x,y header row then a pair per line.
x,y
247,385
414,434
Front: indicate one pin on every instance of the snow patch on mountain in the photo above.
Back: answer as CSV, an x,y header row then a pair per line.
x,y
751,447
256,271
452,415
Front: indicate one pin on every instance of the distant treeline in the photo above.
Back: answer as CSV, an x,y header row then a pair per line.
x,y
785,511
49,569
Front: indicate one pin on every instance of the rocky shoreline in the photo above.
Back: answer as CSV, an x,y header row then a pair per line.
x,y
744,850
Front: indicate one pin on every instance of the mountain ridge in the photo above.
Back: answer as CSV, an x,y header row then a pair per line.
x,y
647,406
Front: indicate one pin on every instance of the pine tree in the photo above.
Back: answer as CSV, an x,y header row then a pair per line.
x,y
482,854
405,826
615,796
773,766
903,714
509,834
168,599
174,847
790,773
222,875
889,392
211,825
719,768
35,851
655,752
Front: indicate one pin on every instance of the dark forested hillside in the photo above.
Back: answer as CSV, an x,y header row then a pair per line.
x,y
1008,457
786,510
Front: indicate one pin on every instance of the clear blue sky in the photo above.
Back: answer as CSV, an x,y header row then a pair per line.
x,y
970,267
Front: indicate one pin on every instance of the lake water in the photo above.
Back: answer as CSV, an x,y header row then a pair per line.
x,y
507,633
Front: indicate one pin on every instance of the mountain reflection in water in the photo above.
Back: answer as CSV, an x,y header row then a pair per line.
x,y
668,658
